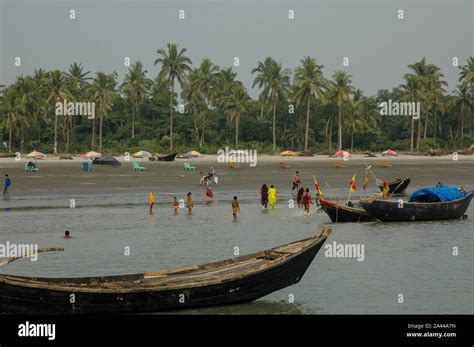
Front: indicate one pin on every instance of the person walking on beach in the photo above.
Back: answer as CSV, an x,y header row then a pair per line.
x,y
175,205
264,196
189,202
151,202
8,183
296,180
272,197
235,207
307,200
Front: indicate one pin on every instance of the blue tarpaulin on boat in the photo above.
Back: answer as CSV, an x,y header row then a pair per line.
x,y
436,194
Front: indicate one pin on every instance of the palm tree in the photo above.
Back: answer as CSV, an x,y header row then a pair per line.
x,y
58,91
467,73
103,93
463,103
174,65
136,86
235,107
262,79
413,92
309,83
274,82
12,107
25,87
340,94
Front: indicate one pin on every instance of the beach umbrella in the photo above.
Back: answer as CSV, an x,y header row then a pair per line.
x,y
288,154
192,154
35,154
107,160
142,154
92,155
342,153
389,152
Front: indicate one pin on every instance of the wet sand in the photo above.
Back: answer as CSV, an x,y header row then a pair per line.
x,y
60,177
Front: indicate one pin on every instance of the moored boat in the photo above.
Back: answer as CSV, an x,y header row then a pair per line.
x,y
341,213
232,281
169,157
438,203
398,186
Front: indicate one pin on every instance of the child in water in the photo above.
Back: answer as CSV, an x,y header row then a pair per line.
x,y
189,202
235,207
307,200
151,201
175,205
66,235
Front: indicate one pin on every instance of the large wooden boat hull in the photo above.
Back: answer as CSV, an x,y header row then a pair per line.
x,y
398,186
231,281
341,214
392,211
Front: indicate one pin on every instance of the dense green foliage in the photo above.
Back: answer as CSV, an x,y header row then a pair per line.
x,y
301,111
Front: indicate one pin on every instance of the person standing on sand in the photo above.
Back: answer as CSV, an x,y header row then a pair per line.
x,y
8,183
235,207
151,201
264,196
175,205
189,202
307,200
272,196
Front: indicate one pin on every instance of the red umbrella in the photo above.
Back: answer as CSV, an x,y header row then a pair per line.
x,y
342,153
389,152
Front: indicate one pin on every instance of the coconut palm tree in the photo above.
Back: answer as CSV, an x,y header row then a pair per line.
x,y
309,84
413,92
340,92
175,66
103,93
136,86
466,75
235,107
262,79
464,104
275,83
58,90
12,108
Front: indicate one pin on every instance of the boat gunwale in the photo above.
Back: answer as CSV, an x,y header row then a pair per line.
x,y
414,204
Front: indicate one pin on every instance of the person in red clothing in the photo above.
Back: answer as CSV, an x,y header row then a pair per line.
x,y
307,200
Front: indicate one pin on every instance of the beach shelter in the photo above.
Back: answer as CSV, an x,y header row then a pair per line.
x,y
342,154
36,155
112,161
288,154
389,153
142,154
92,155
192,154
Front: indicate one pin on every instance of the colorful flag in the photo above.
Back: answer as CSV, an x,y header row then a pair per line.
x,y
318,188
352,184
366,180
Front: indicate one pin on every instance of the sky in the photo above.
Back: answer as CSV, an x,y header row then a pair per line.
x,y
378,44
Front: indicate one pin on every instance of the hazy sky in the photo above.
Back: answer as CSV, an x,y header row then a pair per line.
x,y
379,45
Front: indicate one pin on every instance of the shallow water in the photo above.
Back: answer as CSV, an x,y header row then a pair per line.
x,y
413,259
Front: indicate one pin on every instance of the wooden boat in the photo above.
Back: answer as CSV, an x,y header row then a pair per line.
x,y
232,281
169,157
398,186
340,213
393,211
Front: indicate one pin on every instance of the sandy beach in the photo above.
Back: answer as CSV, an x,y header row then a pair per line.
x,y
66,176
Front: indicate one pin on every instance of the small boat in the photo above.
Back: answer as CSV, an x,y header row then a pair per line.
x,y
398,186
169,157
232,281
340,213
424,205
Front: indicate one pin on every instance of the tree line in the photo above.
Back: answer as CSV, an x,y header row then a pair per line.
x,y
301,109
